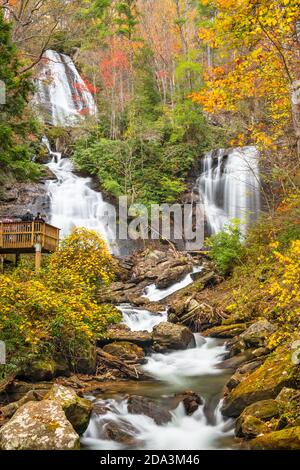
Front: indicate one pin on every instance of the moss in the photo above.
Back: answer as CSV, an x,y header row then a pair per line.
x,y
264,383
287,439
226,331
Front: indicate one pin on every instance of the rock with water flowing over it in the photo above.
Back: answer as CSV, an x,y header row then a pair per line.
x,y
167,336
39,426
122,432
145,406
190,400
77,410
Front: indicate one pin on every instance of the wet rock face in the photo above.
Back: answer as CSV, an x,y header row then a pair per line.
x,y
190,400
77,410
124,433
146,406
17,197
167,336
39,426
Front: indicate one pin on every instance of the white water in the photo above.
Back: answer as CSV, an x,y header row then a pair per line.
x,y
154,294
182,433
141,320
230,187
177,366
62,97
73,203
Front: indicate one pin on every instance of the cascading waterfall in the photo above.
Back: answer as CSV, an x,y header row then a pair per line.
x,y
196,368
73,203
230,187
62,97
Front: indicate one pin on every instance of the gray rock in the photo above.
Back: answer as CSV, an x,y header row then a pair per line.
x,y
257,333
167,336
77,410
39,426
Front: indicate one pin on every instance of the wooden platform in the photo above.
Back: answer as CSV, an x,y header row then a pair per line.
x,y
27,237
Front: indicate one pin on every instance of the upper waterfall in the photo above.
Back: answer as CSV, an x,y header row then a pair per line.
x,y
230,187
62,96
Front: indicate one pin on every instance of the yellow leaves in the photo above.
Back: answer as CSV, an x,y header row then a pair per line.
x,y
260,38
58,310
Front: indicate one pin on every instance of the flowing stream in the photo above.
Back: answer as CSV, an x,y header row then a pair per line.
x,y
174,372
229,187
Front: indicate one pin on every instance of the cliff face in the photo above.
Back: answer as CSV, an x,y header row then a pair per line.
x,y
16,197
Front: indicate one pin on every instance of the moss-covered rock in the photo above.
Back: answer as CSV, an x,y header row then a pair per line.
x,y
39,426
78,410
226,331
257,333
250,427
264,383
286,439
251,423
38,369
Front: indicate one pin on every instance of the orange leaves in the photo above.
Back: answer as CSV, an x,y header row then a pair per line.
x,y
255,41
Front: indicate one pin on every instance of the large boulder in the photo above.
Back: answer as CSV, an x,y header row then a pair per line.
x,y
167,336
172,274
256,334
77,410
38,369
39,426
146,406
286,439
264,383
121,333
128,352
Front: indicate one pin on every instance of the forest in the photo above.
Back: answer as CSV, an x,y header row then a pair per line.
x,y
143,344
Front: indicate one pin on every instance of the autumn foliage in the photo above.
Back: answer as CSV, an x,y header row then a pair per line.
x,y
56,312
257,47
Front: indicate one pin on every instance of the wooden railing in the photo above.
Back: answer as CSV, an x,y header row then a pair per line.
x,y
25,235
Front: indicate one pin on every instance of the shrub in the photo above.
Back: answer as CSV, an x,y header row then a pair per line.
x,y
56,312
226,247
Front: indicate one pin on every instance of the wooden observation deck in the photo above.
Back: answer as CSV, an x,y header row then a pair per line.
x,y
28,237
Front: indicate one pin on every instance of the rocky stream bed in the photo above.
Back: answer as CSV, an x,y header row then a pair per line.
x,y
177,373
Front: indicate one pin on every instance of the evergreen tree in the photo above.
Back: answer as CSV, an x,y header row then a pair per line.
x,y
15,121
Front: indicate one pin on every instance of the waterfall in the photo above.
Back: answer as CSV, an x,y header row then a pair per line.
x,y
73,203
62,97
230,187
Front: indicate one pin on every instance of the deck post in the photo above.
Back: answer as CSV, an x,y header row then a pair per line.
x,y
38,257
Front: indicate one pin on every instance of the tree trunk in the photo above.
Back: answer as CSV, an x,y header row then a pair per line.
x,y
295,98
